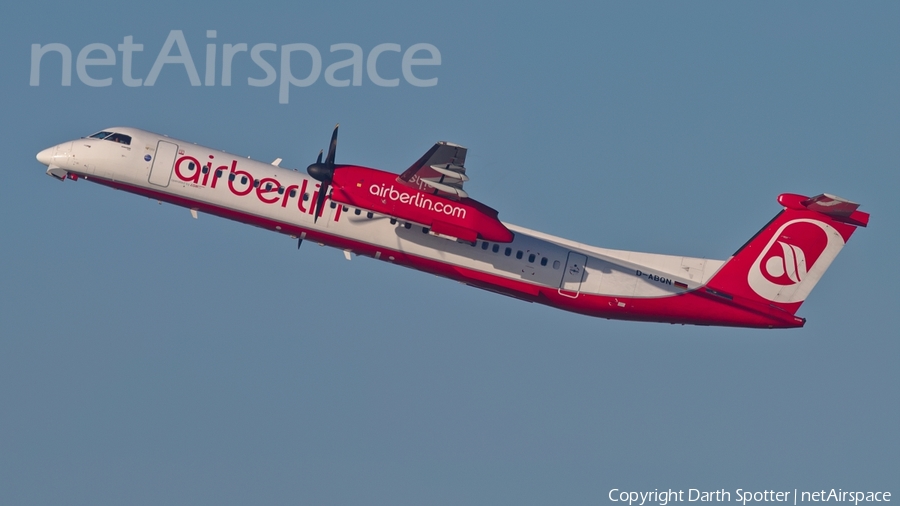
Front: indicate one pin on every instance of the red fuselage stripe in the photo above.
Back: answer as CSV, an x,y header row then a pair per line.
x,y
691,307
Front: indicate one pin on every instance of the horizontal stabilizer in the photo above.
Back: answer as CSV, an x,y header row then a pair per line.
x,y
831,205
835,207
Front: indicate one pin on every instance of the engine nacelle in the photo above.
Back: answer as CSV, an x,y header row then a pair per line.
x,y
381,192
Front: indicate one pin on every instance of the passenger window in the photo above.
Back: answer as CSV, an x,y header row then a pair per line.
x,y
519,254
243,179
495,248
556,264
357,212
507,251
531,258
407,225
345,209
424,230
191,166
281,190
305,197
205,170
333,205
218,174
268,186
231,176
370,215
256,183
393,221
484,245
293,193
544,261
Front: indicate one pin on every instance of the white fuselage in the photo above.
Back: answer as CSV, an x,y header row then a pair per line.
x,y
214,181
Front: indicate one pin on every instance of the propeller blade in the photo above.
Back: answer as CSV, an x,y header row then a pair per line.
x,y
320,201
324,172
329,160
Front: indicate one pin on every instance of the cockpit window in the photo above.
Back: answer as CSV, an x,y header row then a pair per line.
x,y
120,138
110,136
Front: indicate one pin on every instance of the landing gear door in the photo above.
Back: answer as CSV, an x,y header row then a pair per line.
x,y
163,163
573,274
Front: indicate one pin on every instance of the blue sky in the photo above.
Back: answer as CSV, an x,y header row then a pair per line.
x,y
149,358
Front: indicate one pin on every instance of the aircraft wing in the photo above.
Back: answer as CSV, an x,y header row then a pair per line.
x,y
440,171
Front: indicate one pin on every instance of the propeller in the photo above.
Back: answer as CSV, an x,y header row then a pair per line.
x,y
324,172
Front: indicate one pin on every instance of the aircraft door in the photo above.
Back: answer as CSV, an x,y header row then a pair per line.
x,y
573,274
163,163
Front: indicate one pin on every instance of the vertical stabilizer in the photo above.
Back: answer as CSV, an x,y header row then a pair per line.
x,y
783,262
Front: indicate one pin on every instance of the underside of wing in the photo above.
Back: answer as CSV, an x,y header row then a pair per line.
x,y
440,171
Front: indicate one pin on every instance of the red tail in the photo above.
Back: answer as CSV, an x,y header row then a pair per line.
x,y
782,263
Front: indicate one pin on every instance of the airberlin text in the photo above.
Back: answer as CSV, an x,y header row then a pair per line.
x,y
653,277
744,496
417,200
241,183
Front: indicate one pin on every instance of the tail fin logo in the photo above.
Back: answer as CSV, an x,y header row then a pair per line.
x,y
799,251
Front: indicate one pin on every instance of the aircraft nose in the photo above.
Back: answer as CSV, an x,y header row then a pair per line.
x,y
46,156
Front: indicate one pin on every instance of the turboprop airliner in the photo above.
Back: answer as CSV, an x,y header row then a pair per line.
x,y
423,218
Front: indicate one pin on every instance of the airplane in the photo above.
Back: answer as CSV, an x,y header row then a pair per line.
x,y
423,218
